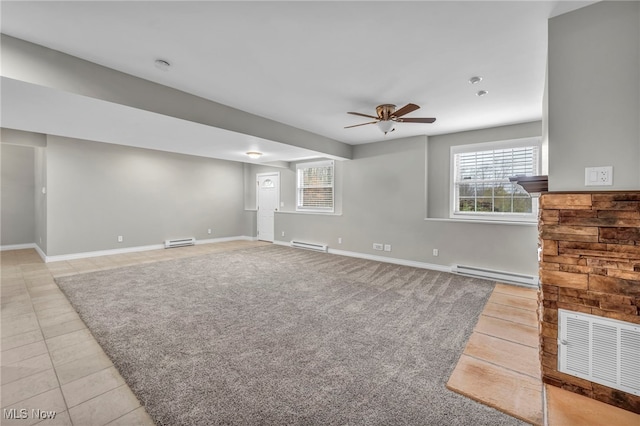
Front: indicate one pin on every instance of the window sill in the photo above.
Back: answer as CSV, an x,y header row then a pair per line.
x,y
482,221
310,213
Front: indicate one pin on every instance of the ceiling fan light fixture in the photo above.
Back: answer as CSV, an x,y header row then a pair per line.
x,y
481,93
254,154
475,79
386,125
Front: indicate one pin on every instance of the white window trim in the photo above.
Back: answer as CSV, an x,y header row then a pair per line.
x,y
318,210
486,146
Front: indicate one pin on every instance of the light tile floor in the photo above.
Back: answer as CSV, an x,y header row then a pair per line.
x,y
500,367
50,361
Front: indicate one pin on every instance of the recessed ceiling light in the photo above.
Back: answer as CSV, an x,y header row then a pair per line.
x,y
482,93
163,65
254,154
475,79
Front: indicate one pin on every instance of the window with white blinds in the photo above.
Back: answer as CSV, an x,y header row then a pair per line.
x,y
480,180
315,186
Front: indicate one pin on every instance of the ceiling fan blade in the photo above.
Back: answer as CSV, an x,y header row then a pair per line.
x,y
356,125
363,115
405,110
417,120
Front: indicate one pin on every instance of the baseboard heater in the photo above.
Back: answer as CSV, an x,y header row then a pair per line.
x,y
490,274
310,246
181,242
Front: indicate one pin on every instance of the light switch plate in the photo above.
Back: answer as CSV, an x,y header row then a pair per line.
x,y
598,176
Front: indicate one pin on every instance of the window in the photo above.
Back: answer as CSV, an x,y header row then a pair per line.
x,y
480,180
314,186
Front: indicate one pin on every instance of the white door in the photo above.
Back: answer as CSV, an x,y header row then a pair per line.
x,y
268,201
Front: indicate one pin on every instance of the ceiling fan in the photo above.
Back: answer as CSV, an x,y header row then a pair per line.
x,y
388,116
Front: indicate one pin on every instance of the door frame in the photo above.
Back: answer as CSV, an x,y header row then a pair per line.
x,y
258,176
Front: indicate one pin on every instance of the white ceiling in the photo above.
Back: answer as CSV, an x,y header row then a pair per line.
x,y
306,64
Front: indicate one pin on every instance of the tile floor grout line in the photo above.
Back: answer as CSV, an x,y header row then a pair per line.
x,y
125,384
29,357
128,412
29,375
55,371
504,319
506,340
30,301
100,394
510,305
32,396
525,309
503,367
515,295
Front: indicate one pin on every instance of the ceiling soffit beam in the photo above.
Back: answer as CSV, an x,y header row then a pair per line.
x,y
39,65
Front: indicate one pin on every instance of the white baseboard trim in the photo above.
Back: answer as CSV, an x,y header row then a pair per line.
x,y
41,253
224,239
394,260
17,246
85,255
98,253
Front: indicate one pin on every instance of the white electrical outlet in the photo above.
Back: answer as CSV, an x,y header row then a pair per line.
x,y
598,176
387,247
120,239
209,231
339,240
283,233
378,246
436,252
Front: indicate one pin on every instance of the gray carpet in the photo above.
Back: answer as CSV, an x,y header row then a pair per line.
x,y
273,335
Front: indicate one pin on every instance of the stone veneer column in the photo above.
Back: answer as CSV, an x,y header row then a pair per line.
x,y
590,263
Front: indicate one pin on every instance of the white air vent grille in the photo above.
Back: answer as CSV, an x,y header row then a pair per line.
x,y
600,350
630,358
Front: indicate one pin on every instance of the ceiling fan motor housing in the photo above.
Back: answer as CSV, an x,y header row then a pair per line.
x,y
385,111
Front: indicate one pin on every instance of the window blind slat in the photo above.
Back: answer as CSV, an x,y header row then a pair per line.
x,y
315,182
481,180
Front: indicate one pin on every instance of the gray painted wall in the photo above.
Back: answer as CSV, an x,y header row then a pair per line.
x,y
288,181
19,137
17,200
594,95
97,192
383,193
439,176
40,196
